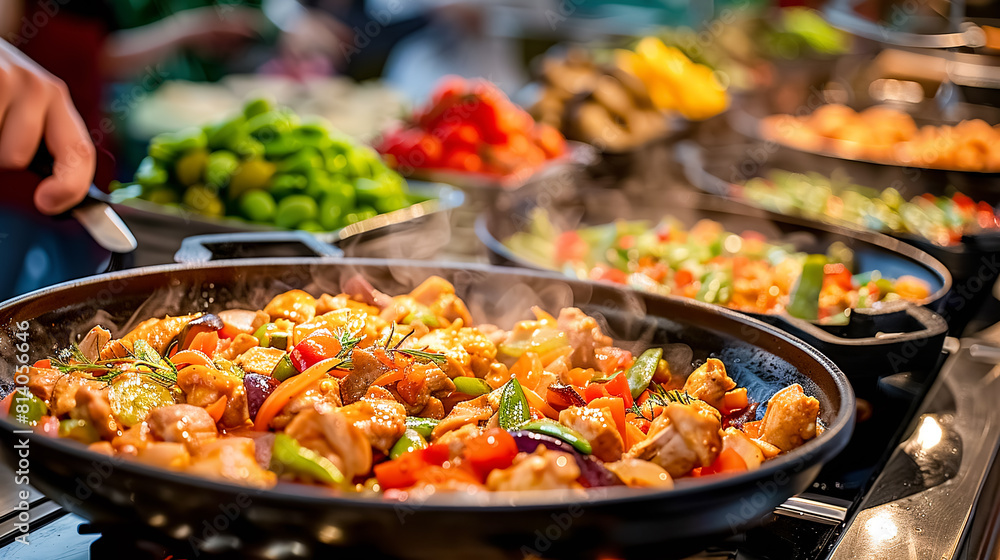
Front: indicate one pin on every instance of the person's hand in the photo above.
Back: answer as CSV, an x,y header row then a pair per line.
x,y
35,104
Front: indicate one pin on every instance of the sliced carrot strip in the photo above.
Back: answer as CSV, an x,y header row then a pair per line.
x,y
216,409
538,402
191,357
290,387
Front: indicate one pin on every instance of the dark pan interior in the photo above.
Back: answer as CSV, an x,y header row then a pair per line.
x,y
758,356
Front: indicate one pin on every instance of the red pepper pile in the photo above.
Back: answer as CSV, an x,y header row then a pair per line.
x,y
471,126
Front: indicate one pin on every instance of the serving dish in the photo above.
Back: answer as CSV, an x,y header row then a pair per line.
x,y
717,169
178,505
861,347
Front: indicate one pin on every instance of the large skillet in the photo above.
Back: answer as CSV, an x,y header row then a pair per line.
x,y
758,356
861,348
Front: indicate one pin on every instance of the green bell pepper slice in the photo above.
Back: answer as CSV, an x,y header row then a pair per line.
x,y
292,457
643,368
284,369
471,386
555,429
80,430
411,440
423,426
514,409
804,302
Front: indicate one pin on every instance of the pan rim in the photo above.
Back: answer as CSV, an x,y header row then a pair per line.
x,y
828,444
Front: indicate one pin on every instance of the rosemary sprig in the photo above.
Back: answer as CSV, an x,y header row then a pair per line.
x,y
434,357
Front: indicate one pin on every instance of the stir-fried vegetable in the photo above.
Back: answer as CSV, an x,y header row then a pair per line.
x,y
343,391
707,263
941,219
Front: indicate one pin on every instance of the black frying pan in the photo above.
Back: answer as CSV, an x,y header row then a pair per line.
x,y
861,348
303,521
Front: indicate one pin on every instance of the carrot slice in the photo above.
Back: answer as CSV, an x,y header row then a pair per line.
x,y
736,399
539,403
191,357
290,387
216,409
389,378
634,435
205,342
617,408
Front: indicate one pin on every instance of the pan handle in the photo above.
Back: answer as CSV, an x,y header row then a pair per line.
x,y
203,248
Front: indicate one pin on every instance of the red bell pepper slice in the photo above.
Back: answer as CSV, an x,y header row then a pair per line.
x,y
618,387
313,350
495,449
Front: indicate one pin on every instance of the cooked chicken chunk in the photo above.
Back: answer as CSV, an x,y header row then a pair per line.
x,y
92,405
584,336
680,439
637,473
231,459
42,382
333,435
240,344
166,455
472,411
544,469
469,353
182,423
742,444
709,383
366,368
598,427
322,396
455,439
157,332
381,421
295,305
204,386
91,344
260,360
65,390
438,295
790,418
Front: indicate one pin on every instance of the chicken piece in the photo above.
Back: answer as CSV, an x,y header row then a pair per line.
x,y
182,423
433,409
243,321
327,303
381,421
358,323
323,395
92,405
598,427
64,392
742,444
42,381
455,439
240,344
421,381
260,360
204,386
157,332
680,439
295,305
366,368
584,336
474,411
231,459
468,351
438,295
544,469
91,344
710,383
334,436
102,447
166,455
790,419
132,440
636,473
